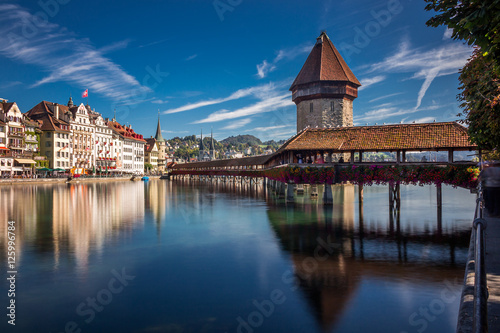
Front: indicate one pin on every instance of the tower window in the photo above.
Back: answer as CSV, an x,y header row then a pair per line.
x,y
311,107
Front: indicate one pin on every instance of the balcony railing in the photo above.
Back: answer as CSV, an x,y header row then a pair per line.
x,y
17,146
16,134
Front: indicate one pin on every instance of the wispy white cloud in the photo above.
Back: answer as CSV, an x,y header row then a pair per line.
x,y
423,120
266,105
371,81
264,68
10,84
159,101
64,56
191,57
278,135
385,96
154,42
385,111
115,46
447,33
269,128
260,92
237,124
285,54
167,131
425,64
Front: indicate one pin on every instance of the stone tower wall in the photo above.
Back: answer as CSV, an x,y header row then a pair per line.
x,y
322,115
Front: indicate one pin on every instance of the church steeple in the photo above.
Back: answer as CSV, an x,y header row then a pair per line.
x,y
70,102
212,146
201,153
158,135
201,142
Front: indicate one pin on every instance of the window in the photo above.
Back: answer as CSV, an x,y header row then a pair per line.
x,y
47,144
47,135
311,107
58,154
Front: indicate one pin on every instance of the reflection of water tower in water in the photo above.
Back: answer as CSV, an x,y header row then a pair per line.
x,y
319,240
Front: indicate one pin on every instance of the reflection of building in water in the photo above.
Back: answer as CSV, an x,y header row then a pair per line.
x,y
72,219
332,252
156,202
21,214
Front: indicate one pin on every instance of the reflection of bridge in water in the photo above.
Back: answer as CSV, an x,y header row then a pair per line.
x,y
334,248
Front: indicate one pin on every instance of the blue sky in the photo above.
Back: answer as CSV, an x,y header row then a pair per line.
x,y
224,65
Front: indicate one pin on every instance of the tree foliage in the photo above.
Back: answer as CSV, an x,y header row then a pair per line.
x,y
476,22
480,97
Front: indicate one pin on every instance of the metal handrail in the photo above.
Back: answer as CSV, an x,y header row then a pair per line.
x,y
480,322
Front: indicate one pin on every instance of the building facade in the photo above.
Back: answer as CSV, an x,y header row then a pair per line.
x,y
131,145
18,142
151,154
77,138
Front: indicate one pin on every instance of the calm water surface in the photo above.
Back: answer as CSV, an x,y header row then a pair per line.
x,y
181,257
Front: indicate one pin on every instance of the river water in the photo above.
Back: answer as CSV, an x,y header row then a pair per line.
x,y
164,256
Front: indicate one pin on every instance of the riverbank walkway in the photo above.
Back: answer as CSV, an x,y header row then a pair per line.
x,y
492,263
492,269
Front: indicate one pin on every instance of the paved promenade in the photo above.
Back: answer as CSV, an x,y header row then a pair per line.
x,y
492,263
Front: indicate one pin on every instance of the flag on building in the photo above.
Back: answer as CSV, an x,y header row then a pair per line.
x,y
85,93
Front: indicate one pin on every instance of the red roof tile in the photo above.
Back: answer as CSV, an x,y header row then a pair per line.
x,y
43,111
125,131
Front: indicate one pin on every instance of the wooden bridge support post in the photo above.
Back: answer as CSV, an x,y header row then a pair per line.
x,y
289,192
360,194
281,190
439,196
395,196
439,199
327,195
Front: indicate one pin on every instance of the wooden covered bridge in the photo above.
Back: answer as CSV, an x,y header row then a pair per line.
x,y
329,145
336,156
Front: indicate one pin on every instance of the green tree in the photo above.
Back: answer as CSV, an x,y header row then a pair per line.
x,y
480,97
476,22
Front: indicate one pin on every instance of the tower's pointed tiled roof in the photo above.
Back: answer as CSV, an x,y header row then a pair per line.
x,y
324,63
158,135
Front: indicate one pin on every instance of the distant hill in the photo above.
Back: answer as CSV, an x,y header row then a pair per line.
x,y
274,144
248,139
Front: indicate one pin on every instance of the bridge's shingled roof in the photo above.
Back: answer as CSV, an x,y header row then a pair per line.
x,y
427,136
244,161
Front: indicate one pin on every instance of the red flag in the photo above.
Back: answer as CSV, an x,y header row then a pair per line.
x,y
85,93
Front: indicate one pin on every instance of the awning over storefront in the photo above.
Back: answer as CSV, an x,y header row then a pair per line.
x,y
3,148
24,161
